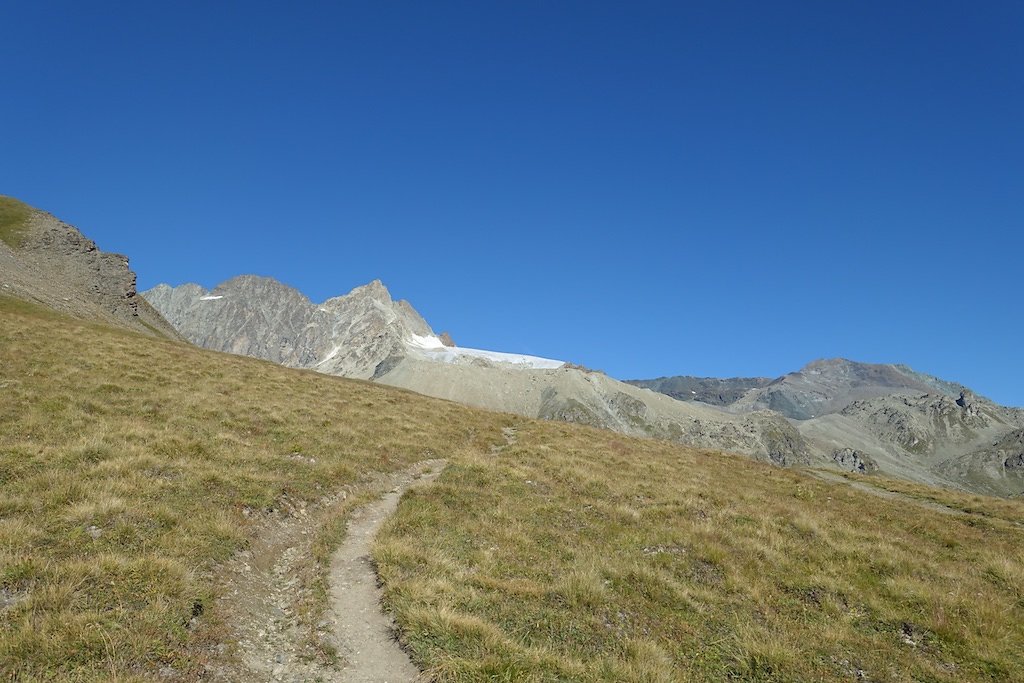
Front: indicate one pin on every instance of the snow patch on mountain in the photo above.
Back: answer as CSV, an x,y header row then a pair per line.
x,y
431,348
330,356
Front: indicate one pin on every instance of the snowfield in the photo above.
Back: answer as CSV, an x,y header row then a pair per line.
x,y
211,298
429,346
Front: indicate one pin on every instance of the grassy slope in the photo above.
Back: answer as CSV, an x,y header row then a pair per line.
x,y
127,465
13,215
160,450
583,555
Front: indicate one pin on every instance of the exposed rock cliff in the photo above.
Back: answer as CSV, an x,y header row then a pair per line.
x,y
258,316
45,260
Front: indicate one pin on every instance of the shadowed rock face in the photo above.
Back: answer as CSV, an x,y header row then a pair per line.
x,y
711,390
54,264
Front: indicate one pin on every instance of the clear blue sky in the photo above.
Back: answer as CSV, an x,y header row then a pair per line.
x,y
650,188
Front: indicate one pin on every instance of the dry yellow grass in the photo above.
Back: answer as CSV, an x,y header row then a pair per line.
x,y
130,467
577,554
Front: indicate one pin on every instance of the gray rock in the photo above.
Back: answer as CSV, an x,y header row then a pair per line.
x,y
54,264
853,460
711,390
255,316
819,388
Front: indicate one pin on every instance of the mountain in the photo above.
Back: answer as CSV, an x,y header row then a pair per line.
x,y
828,386
837,413
819,388
365,334
45,260
932,438
874,417
711,390
254,316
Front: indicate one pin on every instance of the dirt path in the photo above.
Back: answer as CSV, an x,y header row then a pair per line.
x,y
884,493
365,634
264,588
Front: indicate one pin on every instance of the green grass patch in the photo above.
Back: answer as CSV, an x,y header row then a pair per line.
x,y
13,218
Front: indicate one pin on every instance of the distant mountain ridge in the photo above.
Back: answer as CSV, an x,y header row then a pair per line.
x,y
711,390
821,387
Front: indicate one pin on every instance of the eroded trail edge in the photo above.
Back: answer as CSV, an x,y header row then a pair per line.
x,y
363,631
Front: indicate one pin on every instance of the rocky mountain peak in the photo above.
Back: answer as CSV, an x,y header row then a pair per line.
x,y
258,316
374,290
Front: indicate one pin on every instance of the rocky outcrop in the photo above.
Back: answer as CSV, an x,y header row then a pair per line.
x,y
997,467
256,316
711,390
1009,450
852,460
53,263
924,424
819,388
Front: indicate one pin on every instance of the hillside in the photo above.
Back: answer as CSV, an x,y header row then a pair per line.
x,y
141,477
366,334
45,260
798,419
819,388
132,469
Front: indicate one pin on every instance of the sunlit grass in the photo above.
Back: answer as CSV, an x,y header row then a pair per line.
x,y
129,467
13,215
582,555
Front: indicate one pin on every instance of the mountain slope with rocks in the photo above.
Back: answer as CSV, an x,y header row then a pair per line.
x,y
892,419
828,386
47,261
867,418
926,437
367,335
711,390
819,388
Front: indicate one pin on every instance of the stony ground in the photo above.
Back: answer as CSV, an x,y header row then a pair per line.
x,y
265,587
